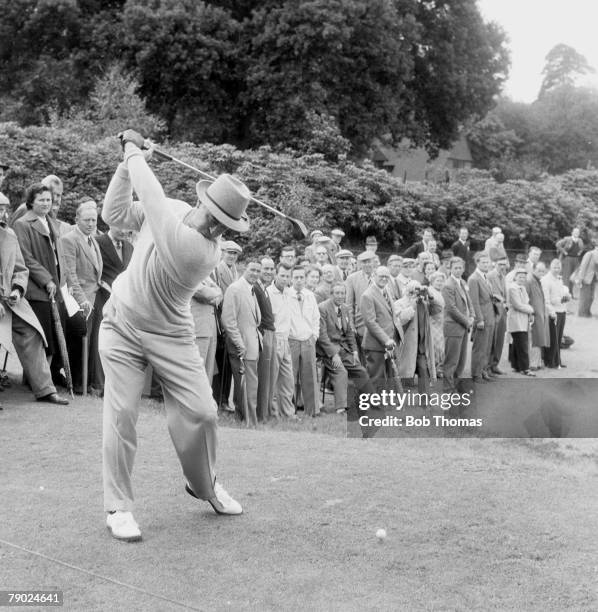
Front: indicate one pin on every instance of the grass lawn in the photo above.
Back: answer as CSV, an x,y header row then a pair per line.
x,y
472,524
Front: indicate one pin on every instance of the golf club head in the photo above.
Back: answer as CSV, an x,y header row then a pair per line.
x,y
299,229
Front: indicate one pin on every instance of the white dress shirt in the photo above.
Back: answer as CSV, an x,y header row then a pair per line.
x,y
281,309
554,290
305,315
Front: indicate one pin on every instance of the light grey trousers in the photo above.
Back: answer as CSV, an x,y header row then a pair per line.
x,y
191,412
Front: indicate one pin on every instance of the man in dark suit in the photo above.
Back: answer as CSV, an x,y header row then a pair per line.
x,y
265,366
381,334
461,248
419,247
458,319
115,251
337,348
480,293
225,274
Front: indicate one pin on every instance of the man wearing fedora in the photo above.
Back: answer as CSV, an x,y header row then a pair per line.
x,y
148,321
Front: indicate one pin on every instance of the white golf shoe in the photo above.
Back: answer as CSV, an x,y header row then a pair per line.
x,y
223,503
123,526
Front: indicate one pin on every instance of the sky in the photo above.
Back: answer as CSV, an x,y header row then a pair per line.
x,y
534,27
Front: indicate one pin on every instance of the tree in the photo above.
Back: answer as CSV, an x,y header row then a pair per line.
x,y
51,52
113,104
255,72
567,128
345,58
460,63
563,65
186,57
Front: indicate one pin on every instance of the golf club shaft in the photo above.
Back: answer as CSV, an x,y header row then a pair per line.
x,y
169,157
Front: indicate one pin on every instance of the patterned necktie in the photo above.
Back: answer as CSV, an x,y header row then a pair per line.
x,y
388,299
339,319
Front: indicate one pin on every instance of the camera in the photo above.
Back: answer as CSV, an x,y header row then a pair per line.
x,y
421,293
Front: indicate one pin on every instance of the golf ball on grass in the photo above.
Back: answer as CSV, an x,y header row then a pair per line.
x,y
381,535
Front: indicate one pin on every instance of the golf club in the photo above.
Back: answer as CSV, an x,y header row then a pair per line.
x,y
299,229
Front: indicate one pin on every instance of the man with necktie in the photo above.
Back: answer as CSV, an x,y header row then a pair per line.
x,y
343,263
83,262
224,274
395,265
480,293
265,366
356,284
499,289
115,252
305,330
241,319
381,336
458,319
337,348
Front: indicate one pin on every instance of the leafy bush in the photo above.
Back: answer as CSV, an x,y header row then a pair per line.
x,y
362,200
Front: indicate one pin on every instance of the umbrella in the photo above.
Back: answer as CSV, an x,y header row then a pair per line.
x,y
62,345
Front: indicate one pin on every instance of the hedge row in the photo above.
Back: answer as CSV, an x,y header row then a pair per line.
x,y
362,200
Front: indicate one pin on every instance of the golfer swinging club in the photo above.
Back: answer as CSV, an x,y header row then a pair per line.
x,y
148,321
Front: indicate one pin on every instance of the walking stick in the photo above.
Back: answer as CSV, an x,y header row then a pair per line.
x,y
85,356
62,346
3,375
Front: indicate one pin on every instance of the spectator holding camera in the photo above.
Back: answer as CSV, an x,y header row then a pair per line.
x,y
413,312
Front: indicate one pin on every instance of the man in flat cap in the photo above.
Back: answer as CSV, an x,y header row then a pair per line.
x,y
343,264
224,275
310,250
356,284
148,321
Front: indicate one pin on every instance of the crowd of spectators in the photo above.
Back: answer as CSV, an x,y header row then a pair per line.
x,y
274,332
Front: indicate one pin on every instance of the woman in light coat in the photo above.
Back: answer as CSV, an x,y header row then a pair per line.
x,y
519,317
437,281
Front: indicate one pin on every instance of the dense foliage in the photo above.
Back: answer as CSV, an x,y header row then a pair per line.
x,y
556,133
260,72
361,200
